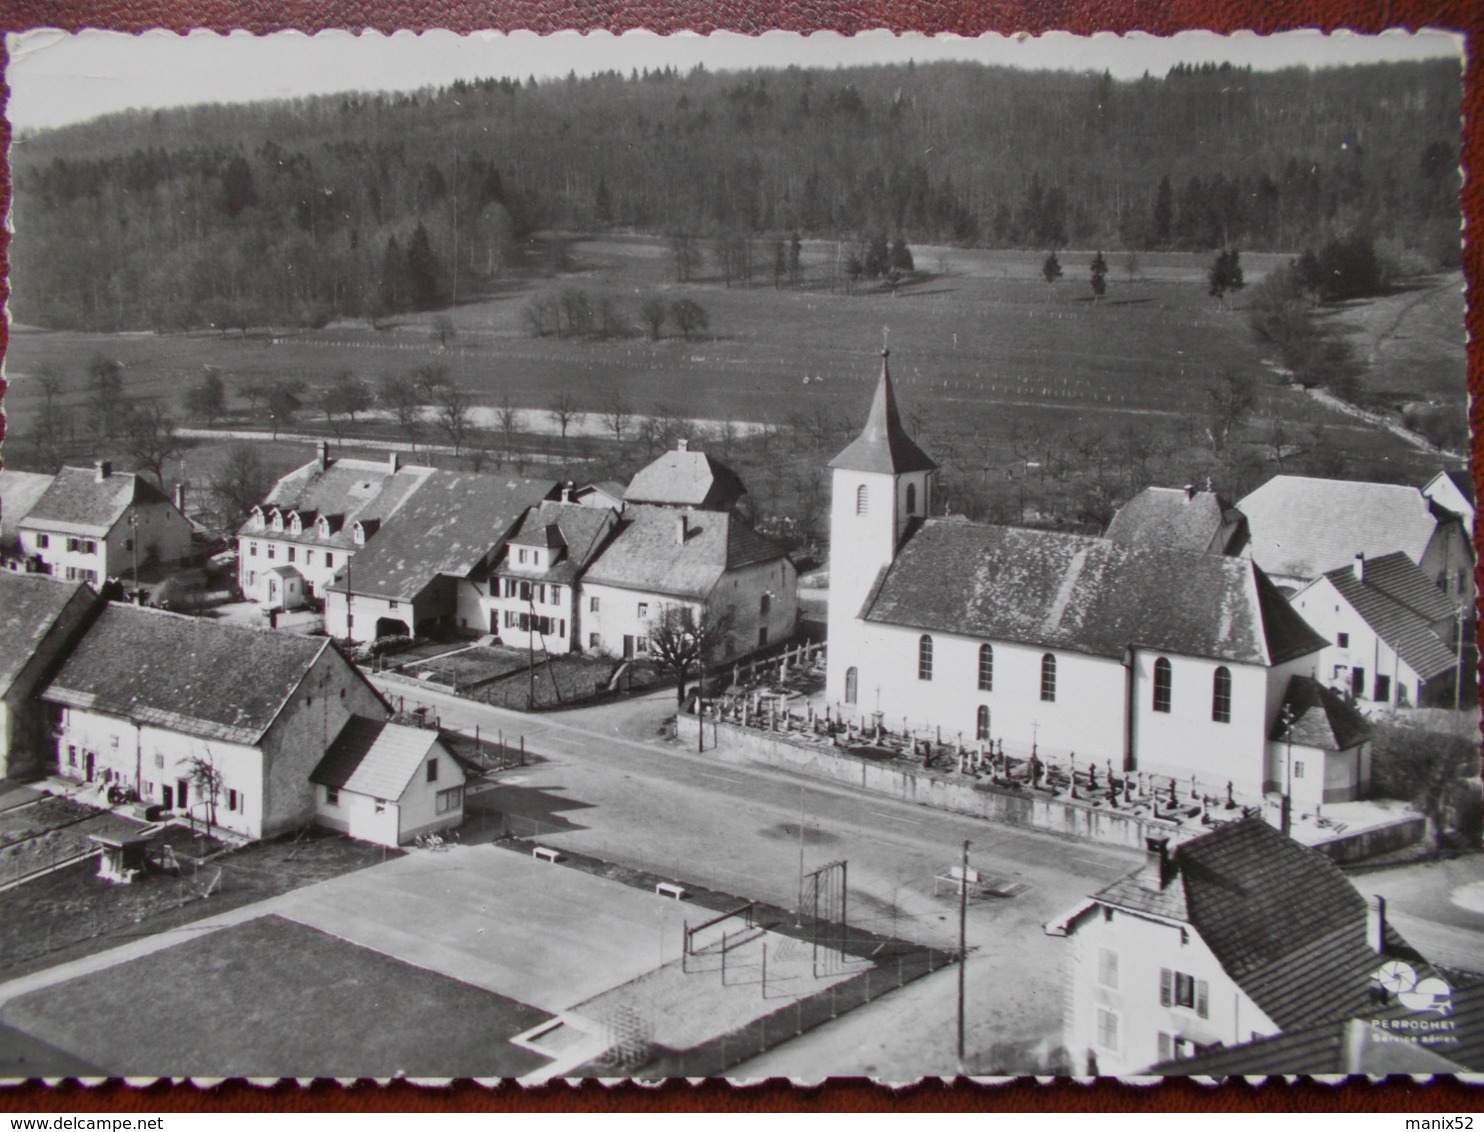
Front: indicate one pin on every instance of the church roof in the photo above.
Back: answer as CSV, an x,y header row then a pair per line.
x,y
883,445
1090,595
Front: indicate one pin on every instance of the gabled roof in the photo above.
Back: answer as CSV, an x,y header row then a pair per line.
x,y
1397,600
1084,594
377,758
346,491
647,555
30,605
683,477
1302,527
1180,520
1462,482
79,502
448,527
1321,718
169,670
1283,921
883,445
581,529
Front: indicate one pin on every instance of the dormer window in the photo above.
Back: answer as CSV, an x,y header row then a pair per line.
x,y
278,520
322,528
358,535
258,521
296,525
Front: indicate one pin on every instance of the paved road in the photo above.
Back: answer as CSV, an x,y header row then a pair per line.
x,y
1437,905
606,782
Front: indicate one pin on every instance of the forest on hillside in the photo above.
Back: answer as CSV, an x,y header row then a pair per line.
x,y
299,212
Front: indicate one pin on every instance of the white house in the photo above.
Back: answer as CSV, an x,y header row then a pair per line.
x,y
90,525
1230,937
199,716
531,599
387,783
40,621
1170,661
1392,636
712,562
1303,527
314,520
19,492
1453,491
428,567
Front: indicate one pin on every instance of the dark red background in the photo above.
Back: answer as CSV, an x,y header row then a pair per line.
x,y
964,17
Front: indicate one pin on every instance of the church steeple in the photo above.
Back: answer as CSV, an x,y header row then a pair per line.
x,y
883,445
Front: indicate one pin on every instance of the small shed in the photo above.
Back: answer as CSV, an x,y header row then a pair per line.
x,y
123,856
1320,744
386,783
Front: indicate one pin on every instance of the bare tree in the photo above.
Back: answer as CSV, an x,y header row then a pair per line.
x,y
401,397
207,781
564,412
616,415
239,482
680,640
507,418
150,433
451,413
689,317
1230,398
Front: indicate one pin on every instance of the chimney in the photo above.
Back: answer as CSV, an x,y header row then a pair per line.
x,y
322,454
1358,567
567,491
393,461
1189,492
102,469
180,489
1375,924
681,444
1158,868
682,527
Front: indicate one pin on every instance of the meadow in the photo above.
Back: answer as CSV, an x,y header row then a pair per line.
x,y
991,362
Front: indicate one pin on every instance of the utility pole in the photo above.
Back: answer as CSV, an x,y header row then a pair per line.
x,y
134,545
963,950
1288,771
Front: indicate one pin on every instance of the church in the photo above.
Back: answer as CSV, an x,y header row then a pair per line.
x,y
1148,657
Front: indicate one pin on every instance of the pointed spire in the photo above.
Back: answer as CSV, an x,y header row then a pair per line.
x,y
883,444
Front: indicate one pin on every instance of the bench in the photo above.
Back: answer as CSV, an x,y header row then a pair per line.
x,y
542,853
665,888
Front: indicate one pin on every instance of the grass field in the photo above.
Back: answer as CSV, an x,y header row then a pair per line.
x,y
72,911
987,357
273,998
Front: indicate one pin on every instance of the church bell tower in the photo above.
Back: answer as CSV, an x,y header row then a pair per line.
x,y
879,484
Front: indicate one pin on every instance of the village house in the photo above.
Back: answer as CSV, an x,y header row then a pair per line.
x,y
313,521
387,783
1303,527
19,492
1180,519
40,620
604,494
1233,936
90,525
712,562
428,568
1392,636
683,477
1453,491
531,600
217,721
1151,659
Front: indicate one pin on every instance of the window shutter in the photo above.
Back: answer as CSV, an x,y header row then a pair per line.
x,y
1165,1052
1200,997
1166,986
